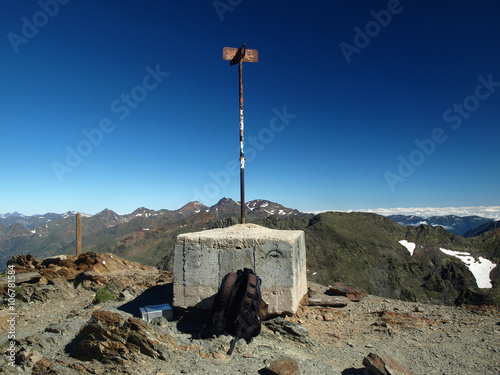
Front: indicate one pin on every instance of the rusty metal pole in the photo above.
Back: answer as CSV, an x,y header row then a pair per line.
x,y
237,56
242,152
78,234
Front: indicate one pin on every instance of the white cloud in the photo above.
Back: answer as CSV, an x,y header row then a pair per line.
x,y
490,212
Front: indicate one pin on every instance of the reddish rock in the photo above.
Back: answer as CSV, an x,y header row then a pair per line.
x,y
383,365
283,366
352,292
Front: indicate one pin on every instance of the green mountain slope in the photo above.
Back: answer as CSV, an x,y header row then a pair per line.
x,y
364,249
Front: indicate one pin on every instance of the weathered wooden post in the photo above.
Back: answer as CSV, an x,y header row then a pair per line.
x,y
78,234
237,56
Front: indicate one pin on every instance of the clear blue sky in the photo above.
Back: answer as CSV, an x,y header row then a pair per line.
x,y
365,104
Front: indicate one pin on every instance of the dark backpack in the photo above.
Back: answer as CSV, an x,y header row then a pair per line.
x,y
237,307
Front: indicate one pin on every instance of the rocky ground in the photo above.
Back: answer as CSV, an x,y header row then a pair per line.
x,y
60,330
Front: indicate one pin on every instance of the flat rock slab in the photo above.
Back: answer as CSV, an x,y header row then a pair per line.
x,y
352,292
324,300
19,278
202,259
383,365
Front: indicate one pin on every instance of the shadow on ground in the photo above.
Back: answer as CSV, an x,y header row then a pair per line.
x,y
156,295
355,371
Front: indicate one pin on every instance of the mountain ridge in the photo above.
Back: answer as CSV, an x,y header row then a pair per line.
x,y
486,227
363,249
51,234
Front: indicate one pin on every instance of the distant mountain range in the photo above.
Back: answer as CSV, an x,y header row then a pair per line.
x,y
50,234
460,225
31,222
257,208
452,223
364,249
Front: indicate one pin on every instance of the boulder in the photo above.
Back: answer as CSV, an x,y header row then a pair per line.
x,y
108,336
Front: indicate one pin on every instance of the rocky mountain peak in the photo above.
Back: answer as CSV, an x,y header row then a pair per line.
x,y
192,208
109,217
225,202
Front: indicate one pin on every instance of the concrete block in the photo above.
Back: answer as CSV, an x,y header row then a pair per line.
x,y
202,259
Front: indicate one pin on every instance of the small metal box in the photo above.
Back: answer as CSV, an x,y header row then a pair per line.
x,y
151,312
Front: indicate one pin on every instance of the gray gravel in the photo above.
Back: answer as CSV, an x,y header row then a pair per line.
x,y
425,339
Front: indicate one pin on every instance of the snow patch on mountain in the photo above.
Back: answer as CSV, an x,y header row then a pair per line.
x,y
480,267
410,246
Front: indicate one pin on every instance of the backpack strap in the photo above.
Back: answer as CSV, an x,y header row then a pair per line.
x,y
252,283
226,287
217,318
226,295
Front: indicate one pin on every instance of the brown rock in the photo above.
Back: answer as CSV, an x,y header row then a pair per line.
x,y
47,366
324,300
217,354
395,318
22,261
27,356
352,292
107,336
383,365
44,366
283,366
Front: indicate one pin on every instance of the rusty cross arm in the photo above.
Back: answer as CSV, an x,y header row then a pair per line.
x,y
250,55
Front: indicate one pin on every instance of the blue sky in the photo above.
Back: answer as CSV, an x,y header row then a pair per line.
x,y
352,105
